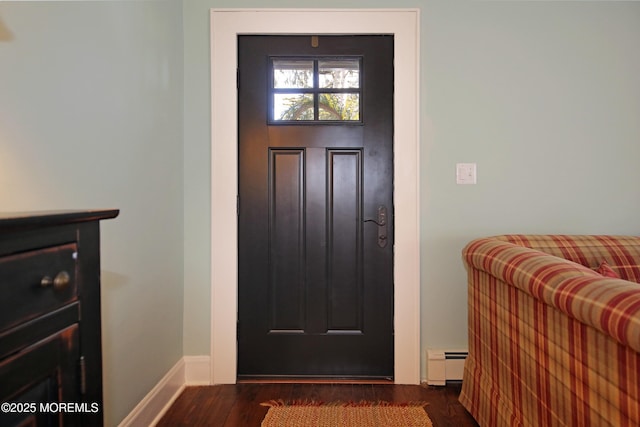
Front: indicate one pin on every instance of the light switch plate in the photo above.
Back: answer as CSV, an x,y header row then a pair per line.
x,y
465,173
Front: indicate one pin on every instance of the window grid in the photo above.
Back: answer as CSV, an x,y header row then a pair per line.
x,y
342,104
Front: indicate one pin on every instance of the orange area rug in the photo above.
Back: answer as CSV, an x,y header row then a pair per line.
x,y
345,414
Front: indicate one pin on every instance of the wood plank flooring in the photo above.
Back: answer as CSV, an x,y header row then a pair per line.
x,y
239,405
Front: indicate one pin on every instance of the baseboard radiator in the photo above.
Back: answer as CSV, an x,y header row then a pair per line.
x,y
445,365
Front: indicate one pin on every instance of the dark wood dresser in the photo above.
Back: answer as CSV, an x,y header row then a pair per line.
x,y
50,339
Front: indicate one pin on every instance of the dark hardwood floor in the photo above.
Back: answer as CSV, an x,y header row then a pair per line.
x,y
239,405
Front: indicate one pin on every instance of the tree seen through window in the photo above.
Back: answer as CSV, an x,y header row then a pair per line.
x,y
319,89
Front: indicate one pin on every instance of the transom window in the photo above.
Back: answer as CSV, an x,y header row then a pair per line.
x,y
308,90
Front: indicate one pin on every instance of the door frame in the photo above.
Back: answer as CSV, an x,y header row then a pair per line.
x,y
226,25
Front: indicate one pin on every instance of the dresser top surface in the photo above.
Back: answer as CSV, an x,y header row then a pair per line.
x,y
33,219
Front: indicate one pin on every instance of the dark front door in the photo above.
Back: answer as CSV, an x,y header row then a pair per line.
x,y
315,227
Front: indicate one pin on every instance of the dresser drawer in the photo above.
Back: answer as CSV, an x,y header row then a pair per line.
x,y
35,282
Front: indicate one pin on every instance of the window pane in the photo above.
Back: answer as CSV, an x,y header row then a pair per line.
x,y
339,73
292,106
291,73
339,106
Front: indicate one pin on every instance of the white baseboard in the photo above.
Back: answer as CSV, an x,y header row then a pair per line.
x,y
190,370
197,370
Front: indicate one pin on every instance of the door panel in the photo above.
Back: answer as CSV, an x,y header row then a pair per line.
x,y
286,245
315,289
344,248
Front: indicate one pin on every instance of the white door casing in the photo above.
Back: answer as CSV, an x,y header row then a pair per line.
x,y
226,25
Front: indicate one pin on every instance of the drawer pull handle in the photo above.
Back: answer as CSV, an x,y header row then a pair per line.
x,y
59,283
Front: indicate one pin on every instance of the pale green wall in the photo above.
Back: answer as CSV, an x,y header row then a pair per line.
x,y
544,96
91,117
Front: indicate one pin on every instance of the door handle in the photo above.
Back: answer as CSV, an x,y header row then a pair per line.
x,y
381,222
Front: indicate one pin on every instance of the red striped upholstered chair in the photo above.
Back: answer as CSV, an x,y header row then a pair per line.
x,y
552,342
